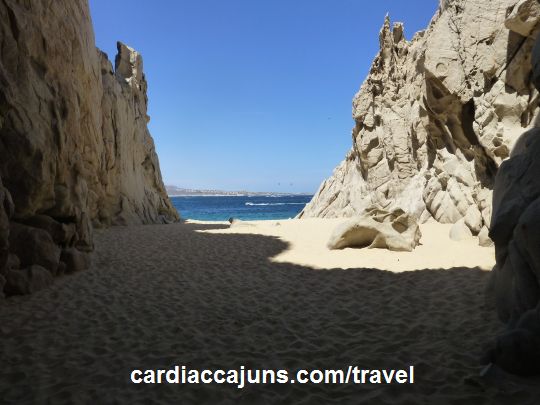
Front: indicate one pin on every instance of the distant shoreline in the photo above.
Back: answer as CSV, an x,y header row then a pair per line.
x,y
173,191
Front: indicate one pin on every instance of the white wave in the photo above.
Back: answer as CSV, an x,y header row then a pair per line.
x,y
250,203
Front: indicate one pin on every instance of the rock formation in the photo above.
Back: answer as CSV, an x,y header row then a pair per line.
x,y
516,276
441,133
396,231
75,151
437,115
514,228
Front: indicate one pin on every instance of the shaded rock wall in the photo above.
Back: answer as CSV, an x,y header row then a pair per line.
x,y
515,229
516,276
437,115
75,151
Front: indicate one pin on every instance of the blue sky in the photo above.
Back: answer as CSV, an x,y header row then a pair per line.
x,y
252,94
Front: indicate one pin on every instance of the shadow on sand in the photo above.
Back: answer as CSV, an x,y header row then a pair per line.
x,y
160,296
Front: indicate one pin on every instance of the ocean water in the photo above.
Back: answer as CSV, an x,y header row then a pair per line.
x,y
221,208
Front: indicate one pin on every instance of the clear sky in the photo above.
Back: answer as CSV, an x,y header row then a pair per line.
x,y
252,94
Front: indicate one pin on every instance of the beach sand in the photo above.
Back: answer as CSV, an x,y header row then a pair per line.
x,y
307,240
204,296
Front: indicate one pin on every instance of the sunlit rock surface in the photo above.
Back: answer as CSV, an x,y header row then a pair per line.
x,y
75,151
437,115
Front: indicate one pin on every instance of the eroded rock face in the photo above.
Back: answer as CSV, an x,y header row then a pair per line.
x,y
75,151
437,115
376,228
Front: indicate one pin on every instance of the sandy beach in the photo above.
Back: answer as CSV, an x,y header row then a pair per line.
x,y
204,296
307,239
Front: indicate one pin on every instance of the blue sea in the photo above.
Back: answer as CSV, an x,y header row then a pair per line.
x,y
218,208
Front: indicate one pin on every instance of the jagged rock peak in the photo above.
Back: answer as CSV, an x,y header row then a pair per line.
x,y
128,69
390,34
385,31
128,64
437,115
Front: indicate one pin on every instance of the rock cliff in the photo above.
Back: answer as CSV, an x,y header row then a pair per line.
x,y
441,132
75,151
437,115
